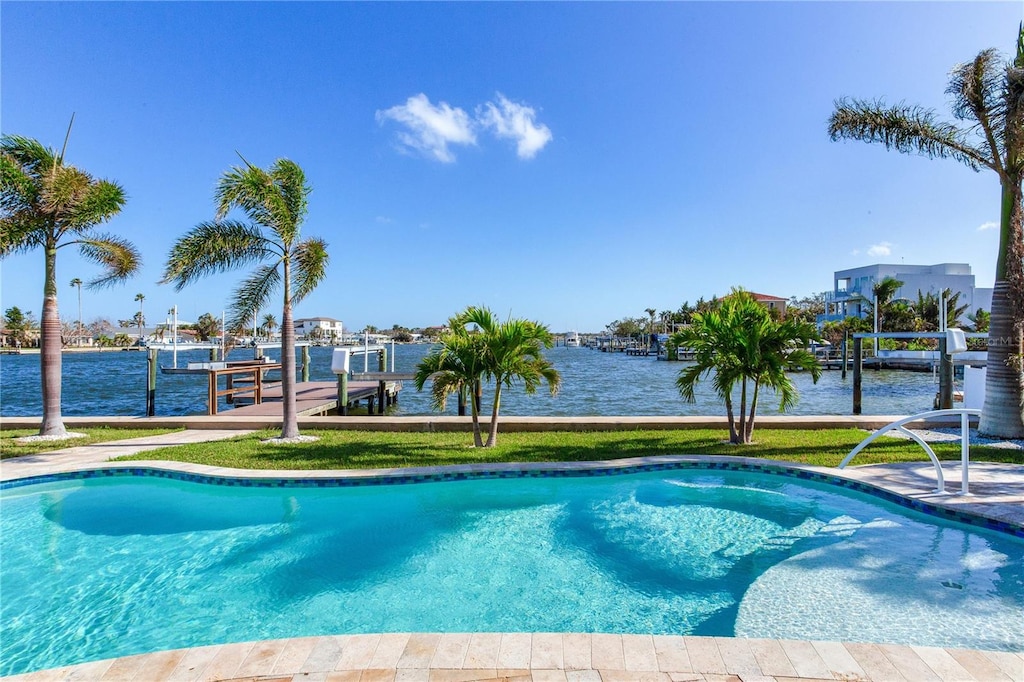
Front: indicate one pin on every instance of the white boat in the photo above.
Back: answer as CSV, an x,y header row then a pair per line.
x,y
572,340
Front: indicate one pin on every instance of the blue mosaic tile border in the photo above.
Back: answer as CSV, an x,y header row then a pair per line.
x,y
444,476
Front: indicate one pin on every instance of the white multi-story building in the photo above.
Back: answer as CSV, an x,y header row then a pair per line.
x,y
318,328
852,295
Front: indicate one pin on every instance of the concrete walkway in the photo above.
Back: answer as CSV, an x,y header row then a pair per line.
x,y
98,454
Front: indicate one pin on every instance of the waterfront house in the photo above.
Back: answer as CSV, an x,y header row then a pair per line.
x,y
852,291
318,328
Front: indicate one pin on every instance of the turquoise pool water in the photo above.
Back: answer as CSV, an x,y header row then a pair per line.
x,y
108,567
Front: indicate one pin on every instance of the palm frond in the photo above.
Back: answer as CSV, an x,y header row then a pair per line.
x,y
244,188
252,294
214,247
118,257
29,154
309,267
21,232
907,129
98,203
18,188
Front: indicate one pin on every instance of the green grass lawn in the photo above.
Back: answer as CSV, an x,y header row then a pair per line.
x,y
9,448
364,449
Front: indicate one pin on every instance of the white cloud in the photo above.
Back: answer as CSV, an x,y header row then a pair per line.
x,y
516,122
855,252
987,226
880,249
430,129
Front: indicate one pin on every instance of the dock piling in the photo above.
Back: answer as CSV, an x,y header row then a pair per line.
x,y
305,363
151,366
858,367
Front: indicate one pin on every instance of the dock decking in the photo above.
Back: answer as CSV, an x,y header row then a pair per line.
x,y
314,398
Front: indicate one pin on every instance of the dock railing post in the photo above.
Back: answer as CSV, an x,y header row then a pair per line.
x,y
343,394
945,377
845,352
151,382
305,363
858,370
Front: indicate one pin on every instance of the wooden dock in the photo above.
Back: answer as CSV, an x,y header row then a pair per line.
x,y
317,398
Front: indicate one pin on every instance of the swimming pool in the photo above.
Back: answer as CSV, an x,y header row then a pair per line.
x,y
101,566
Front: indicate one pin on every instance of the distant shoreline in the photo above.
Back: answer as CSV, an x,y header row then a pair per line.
x,y
35,351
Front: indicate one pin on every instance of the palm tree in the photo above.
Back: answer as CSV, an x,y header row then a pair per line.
x,y
513,355
269,325
142,318
991,96
76,282
275,202
507,353
456,365
49,204
740,342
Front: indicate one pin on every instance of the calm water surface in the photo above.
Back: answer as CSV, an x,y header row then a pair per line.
x,y
593,384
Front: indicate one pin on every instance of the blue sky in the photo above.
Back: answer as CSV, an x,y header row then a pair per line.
x,y
572,163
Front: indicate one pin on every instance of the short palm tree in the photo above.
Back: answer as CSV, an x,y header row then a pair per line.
x,y
455,365
275,202
507,353
990,96
47,204
740,342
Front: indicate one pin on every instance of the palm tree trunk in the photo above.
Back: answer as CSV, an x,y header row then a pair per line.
x,y
741,436
733,436
492,436
748,430
474,410
290,420
50,352
1002,415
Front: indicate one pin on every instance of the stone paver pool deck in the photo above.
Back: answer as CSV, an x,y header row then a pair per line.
x,y
997,493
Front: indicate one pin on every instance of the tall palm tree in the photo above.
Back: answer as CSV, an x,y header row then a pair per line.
x,y
142,318
740,342
990,96
48,204
76,282
275,201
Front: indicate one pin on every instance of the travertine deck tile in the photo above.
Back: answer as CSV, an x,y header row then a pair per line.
x,y
980,666
357,651
294,654
704,655
576,650
261,658
771,658
805,659
671,652
377,675
638,653
483,650
874,663
87,672
633,676
324,656
193,663
419,650
389,650
412,675
908,662
1009,663
544,675
226,662
582,676
514,651
606,652
460,675
546,651
839,661
451,651
342,676
944,665
123,669
737,656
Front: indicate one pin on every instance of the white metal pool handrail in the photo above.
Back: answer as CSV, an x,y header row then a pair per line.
x,y
965,448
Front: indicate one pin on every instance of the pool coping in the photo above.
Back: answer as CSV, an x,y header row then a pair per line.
x,y
1003,517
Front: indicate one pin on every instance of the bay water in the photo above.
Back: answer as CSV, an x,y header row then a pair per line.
x,y
593,384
